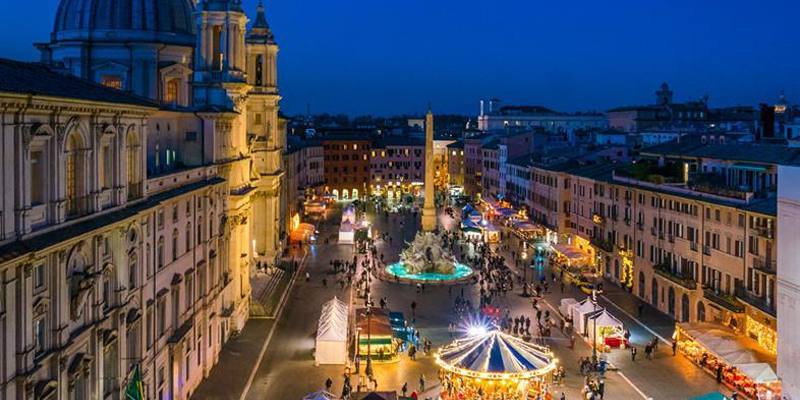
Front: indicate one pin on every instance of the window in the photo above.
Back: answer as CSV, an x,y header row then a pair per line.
x,y
149,326
174,244
133,272
160,252
257,119
105,167
162,317
171,92
107,292
38,276
189,290
188,237
74,173
38,181
199,230
111,81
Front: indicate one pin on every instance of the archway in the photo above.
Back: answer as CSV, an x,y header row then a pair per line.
x,y
345,194
355,194
671,301
654,293
641,285
685,308
335,194
701,312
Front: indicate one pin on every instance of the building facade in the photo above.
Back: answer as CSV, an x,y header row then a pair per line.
x,y
137,208
347,165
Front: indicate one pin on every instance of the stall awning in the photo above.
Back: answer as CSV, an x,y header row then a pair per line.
x,y
571,252
758,372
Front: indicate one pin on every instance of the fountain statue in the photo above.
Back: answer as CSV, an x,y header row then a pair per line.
x,y
426,254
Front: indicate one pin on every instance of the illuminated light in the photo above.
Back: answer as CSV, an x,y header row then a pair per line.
x,y
476,330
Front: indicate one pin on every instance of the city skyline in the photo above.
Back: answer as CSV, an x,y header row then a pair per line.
x,y
455,56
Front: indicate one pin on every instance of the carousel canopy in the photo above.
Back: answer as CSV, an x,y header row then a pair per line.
x,y
495,355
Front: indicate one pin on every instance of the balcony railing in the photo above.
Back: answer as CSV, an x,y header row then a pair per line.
x,y
725,300
693,246
759,302
604,245
766,266
763,231
665,271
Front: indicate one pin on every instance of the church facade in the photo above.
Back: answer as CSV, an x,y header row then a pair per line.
x,y
143,176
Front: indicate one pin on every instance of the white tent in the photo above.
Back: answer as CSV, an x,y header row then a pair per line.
x,y
565,305
331,343
347,233
321,395
758,372
580,312
602,319
739,357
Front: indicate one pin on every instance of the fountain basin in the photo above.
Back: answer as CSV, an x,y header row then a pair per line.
x,y
399,270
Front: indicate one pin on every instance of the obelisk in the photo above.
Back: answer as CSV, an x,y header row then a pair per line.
x,y
429,210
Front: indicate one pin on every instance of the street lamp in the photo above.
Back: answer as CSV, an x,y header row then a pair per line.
x,y
594,325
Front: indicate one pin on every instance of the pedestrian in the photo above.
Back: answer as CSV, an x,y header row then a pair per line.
x,y
674,347
422,383
563,396
414,309
404,389
601,387
308,276
633,353
328,384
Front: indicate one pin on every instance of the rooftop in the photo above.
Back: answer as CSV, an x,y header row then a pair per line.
x,y
38,80
694,147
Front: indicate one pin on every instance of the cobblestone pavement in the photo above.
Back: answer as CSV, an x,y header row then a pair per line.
x,y
287,370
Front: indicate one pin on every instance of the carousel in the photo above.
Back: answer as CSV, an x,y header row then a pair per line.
x,y
492,365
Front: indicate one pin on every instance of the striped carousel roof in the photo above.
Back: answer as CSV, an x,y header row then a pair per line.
x,y
495,355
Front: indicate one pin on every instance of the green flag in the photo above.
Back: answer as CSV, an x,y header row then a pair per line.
x,y
135,388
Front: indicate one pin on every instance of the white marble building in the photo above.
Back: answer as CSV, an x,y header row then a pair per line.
x,y
789,281
142,176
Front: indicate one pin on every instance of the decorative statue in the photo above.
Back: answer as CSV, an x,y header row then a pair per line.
x,y
427,254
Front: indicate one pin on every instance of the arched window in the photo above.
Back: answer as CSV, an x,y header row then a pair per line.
x,y
671,301
171,91
685,308
701,312
160,252
211,229
174,244
74,174
188,238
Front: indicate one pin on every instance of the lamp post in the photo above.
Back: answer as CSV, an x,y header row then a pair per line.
x,y
594,325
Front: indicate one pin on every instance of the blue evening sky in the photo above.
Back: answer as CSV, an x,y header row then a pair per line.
x,y
395,56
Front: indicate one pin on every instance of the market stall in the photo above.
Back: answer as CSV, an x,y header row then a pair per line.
x,y
725,355
565,306
346,233
321,395
491,234
303,233
609,330
375,336
497,365
331,340
580,312
570,255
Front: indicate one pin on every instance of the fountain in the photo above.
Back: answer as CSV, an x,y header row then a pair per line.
x,y
426,259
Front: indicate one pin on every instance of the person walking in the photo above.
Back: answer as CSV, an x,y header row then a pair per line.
x,y
674,347
422,383
413,309
633,353
404,389
328,384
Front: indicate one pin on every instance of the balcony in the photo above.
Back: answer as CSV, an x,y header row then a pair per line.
x,y
724,300
604,245
763,231
598,219
707,250
665,271
761,303
693,246
765,266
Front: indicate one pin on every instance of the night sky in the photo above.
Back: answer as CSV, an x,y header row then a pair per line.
x,y
390,57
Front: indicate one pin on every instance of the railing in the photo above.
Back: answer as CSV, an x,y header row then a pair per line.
x,y
762,303
763,232
665,271
707,250
725,300
693,246
604,245
767,266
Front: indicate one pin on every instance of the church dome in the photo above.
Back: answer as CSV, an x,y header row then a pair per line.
x,y
154,21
